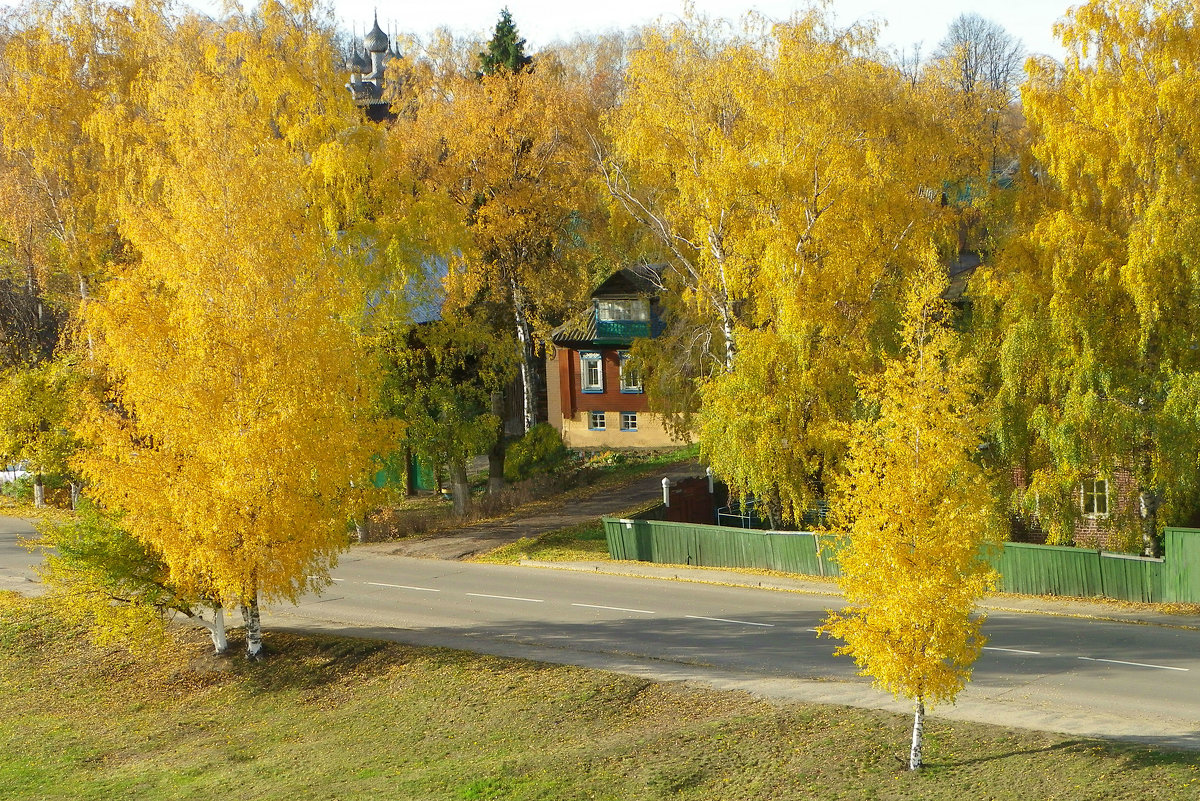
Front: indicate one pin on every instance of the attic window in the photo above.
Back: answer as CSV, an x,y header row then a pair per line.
x,y
634,309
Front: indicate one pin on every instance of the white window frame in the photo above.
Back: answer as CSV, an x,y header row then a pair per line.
x,y
615,310
627,387
597,417
629,422
587,358
1089,491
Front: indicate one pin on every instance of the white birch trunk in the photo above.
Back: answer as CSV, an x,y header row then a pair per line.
x,y
253,630
460,488
918,736
74,496
216,629
39,492
727,333
528,369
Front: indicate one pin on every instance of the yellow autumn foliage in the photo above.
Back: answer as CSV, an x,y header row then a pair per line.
x,y
914,511
236,424
786,170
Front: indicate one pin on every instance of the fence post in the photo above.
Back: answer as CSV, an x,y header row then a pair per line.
x,y
666,492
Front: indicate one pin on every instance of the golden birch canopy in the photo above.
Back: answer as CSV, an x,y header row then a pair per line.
x,y
786,173
61,62
914,510
1099,299
503,160
236,423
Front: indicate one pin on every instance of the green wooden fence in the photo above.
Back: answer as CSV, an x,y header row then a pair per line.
x,y
1023,568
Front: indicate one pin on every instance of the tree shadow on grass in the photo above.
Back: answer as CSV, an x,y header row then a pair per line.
x,y
318,664
311,662
1069,746
1145,753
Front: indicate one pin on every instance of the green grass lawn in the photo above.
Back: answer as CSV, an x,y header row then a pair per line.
x,y
333,718
582,543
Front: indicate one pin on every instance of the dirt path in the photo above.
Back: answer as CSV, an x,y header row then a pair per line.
x,y
474,539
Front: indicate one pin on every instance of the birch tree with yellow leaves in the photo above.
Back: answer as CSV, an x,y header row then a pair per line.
x,y
235,427
506,153
63,61
1096,301
914,510
785,171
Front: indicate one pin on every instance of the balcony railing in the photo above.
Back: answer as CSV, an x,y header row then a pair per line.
x,y
622,330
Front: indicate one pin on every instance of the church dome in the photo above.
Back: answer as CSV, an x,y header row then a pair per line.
x,y
376,41
357,62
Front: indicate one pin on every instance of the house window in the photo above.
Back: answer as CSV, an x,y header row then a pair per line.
x,y
591,369
634,309
629,421
1095,497
631,378
596,421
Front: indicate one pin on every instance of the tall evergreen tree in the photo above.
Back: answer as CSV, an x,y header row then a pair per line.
x,y
505,50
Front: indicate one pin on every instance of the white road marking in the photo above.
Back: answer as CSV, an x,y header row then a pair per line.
x,y
1135,664
1011,650
616,608
400,586
506,597
727,620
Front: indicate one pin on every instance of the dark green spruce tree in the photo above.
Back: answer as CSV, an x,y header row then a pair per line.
x,y
506,50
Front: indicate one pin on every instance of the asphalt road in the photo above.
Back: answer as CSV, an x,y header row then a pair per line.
x,y
1086,677
1072,675
17,564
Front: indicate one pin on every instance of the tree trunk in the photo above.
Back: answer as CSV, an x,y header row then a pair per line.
x,y
216,629
460,488
496,454
410,474
360,530
253,629
1148,511
39,492
730,341
74,495
918,736
528,367
774,508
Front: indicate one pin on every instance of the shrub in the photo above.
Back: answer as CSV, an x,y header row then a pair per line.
x,y
541,450
20,489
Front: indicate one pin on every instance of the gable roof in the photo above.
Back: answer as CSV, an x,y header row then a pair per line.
x,y
640,279
635,281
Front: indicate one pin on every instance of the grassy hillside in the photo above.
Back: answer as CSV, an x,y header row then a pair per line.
x,y
333,718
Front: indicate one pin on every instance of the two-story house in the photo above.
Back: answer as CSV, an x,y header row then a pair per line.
x,y
594,397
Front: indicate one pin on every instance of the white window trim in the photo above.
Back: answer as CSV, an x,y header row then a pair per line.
x,y
585,357
603,421
636,310
629,389
625,416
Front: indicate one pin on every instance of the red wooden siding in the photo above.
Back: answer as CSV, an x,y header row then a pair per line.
x,y
612,399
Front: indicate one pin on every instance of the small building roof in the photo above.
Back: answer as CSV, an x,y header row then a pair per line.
x,y
640,279
627,282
